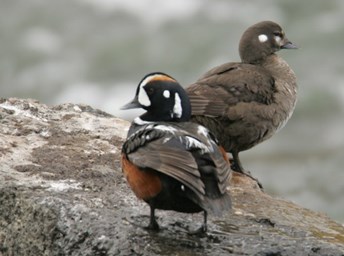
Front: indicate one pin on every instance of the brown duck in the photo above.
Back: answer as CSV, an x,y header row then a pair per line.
x,y
244,103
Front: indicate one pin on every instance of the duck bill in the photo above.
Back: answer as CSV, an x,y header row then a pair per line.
x,y
133,104
286,44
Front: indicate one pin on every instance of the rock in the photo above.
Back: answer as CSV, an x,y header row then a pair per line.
x,y
62,192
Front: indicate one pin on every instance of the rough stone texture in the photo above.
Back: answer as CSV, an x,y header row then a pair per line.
x,y
62,193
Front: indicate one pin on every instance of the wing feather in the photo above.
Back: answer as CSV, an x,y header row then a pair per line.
x,y
188,154
225,86
173,162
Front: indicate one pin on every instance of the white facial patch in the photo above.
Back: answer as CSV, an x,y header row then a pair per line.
x,y
262,38
143,97
177,108
278,39
166,94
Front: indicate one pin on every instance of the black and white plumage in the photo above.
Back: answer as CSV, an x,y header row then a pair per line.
x,y
171,163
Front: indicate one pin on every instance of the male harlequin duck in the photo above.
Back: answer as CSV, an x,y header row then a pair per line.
x,y
244,103
169,162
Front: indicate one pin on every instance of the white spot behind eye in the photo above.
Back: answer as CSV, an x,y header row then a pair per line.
x,y
263,38
166,94
177,109
182,188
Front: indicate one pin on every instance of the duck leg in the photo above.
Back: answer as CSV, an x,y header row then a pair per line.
x,y
153,224
203,229
204,226
237,167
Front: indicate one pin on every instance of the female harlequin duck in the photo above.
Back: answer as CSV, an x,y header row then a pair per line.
x,y
244,103
169,162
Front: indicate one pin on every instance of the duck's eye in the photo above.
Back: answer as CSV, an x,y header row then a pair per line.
x,y
278,33
150,90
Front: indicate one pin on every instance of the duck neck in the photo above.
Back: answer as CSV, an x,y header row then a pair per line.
x,y
279,69
162,117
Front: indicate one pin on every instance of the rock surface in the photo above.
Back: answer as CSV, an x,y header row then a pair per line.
x,y
62,193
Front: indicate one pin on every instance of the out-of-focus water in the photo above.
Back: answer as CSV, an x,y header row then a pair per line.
x,y
96,51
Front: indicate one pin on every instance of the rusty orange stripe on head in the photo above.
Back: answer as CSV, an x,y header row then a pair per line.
x,y
157,77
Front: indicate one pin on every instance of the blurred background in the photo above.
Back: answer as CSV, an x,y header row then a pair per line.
x,y
96,51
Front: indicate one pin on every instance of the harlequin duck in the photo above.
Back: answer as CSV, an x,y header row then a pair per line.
x,y
244,103
169,162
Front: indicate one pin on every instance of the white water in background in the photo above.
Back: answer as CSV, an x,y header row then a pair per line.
x,y
96,51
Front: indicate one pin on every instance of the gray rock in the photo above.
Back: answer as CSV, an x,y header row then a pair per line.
x,y
62,193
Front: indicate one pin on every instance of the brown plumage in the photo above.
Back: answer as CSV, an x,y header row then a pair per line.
x,y
244,103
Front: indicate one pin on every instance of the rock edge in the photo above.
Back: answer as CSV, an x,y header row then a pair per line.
x,y
62,193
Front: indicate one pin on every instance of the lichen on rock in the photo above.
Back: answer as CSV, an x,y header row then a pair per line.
x,y
62,192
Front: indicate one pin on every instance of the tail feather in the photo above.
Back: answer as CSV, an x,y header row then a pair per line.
x,y
218,206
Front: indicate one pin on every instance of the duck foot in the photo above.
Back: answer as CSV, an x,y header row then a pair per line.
x,y
153,225
237,167
203,229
